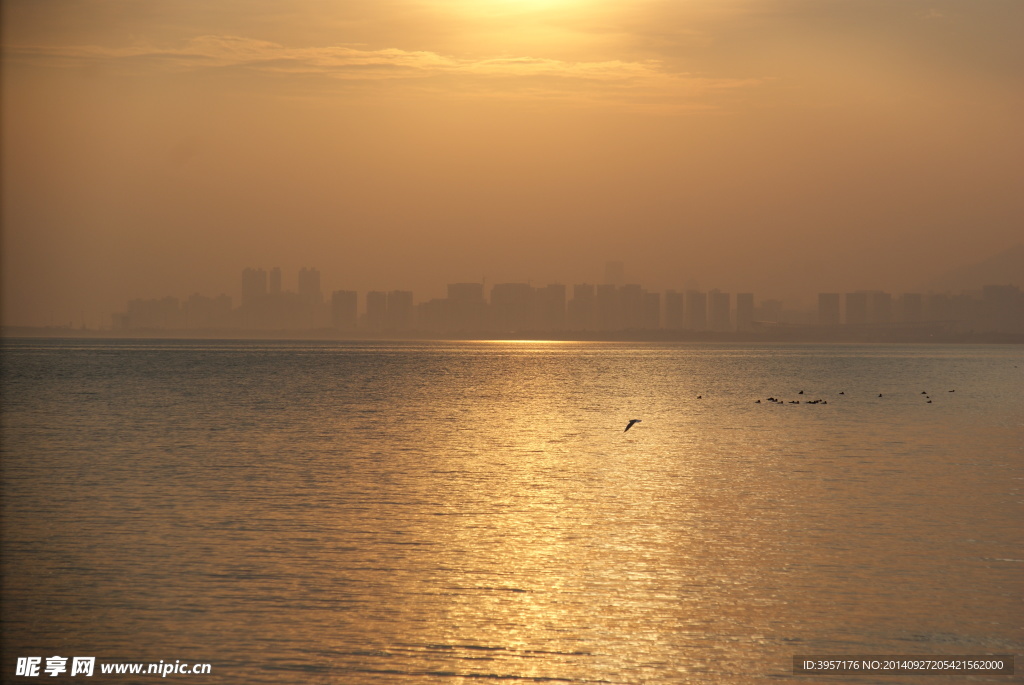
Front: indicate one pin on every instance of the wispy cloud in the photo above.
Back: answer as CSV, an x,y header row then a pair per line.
x,y
539,77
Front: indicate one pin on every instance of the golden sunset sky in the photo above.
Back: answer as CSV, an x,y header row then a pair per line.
x,y
782,147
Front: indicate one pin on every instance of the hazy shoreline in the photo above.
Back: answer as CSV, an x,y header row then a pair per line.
x,y
789,334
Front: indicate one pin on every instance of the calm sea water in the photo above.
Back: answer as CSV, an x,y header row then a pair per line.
x,y
447,512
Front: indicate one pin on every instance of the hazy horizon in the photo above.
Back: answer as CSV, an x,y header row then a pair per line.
x,y
781,147
793,297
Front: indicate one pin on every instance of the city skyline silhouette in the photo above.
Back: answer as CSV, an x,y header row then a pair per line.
x,y
612,307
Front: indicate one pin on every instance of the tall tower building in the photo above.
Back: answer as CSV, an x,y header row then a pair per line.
x,y
551,307
254,286
582,311
309,286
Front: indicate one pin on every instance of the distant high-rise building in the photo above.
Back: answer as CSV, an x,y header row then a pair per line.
x,y
254,286
745,312
828,309
434,316
696,310
551,307
719,314
582,309
309,286
344,305
158,314
614,273
203,312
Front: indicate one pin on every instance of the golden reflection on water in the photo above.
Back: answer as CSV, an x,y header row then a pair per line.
x,y
377,514
556,518
506,343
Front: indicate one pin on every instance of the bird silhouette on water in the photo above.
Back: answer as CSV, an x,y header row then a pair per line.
x,y
630,424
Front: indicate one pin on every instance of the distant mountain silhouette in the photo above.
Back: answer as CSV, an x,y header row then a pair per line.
x,y
1005,268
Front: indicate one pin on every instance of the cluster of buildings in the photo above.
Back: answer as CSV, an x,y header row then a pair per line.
x,y
610,308
996,307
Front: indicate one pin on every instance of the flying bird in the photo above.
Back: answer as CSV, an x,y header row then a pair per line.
x,y
630,424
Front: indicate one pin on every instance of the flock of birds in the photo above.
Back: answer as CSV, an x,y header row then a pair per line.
x,y
775,400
